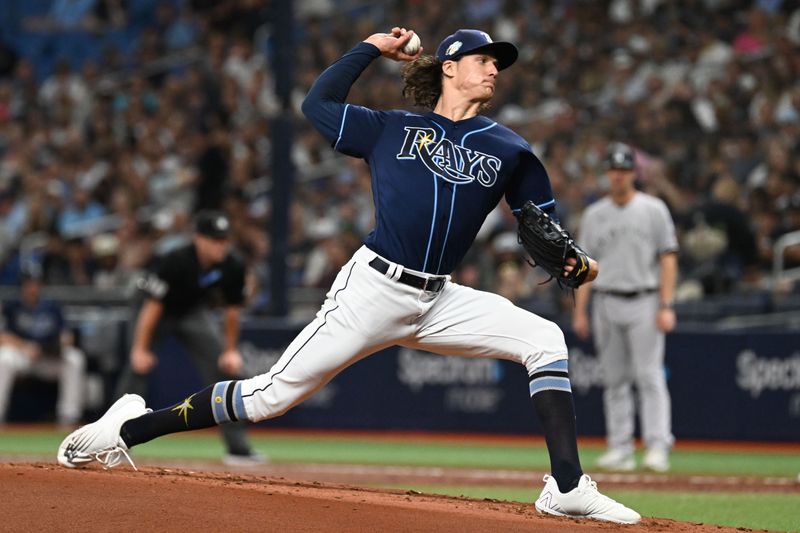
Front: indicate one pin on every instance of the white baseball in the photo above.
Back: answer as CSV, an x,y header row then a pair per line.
x,y
412,46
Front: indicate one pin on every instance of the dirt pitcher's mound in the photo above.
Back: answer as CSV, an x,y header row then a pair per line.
x,y
45,497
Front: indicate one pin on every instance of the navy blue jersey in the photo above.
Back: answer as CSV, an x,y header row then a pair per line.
x,y
434,181
41,324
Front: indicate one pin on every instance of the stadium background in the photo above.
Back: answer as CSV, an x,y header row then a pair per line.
x,y
119,119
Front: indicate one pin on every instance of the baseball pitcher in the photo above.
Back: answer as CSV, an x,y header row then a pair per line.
x,y
436,175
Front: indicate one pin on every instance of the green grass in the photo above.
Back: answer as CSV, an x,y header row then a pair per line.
x,y
771,511
284,448
337,449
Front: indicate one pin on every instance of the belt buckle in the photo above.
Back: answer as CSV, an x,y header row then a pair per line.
x,y
429,280
425,285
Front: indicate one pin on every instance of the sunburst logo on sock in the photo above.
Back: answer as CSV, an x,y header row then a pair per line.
x,y
183,409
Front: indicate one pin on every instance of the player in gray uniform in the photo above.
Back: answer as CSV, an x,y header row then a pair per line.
x,y
633,237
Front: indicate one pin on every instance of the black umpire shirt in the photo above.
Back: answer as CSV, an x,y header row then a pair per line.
x,y
178,282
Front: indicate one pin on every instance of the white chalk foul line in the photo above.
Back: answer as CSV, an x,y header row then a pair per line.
x,y
437,473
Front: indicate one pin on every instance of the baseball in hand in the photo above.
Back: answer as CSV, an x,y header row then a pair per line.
x,y
412,46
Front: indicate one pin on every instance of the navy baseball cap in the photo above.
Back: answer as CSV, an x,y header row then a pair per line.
x,y
212,224
620,156
465,42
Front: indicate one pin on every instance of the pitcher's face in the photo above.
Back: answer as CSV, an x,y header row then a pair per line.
x,y
474,76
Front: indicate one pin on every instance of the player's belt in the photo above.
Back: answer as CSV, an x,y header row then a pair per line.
x,y
425,283
626,294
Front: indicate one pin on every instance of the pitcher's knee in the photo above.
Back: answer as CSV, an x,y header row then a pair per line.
x,y
266,398
266,406
546,344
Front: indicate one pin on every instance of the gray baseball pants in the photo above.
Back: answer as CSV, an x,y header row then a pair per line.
x,y
631,352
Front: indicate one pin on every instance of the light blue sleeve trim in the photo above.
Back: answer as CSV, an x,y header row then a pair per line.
x,y
546,204
540,206
341,127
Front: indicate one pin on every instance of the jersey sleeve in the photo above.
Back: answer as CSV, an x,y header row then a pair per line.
x,y
325,107
157,280
530,182
666,240
360,129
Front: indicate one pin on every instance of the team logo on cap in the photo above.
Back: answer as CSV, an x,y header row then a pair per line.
x,y
453,48
222,224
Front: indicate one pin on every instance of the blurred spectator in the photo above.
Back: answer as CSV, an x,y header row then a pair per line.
x,y
707,91
8,58
720,241
34,340
105,250
78,215
65,94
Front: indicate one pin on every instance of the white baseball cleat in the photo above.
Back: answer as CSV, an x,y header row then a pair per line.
x,y
584,501
656,459
618,460
100,440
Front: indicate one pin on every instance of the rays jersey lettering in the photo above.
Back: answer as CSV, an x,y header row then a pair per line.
x,y
454,163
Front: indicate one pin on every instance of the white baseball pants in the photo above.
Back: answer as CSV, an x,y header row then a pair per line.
x,y
366,311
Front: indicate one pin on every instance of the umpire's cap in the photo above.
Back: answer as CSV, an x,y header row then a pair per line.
x,y
212,224
620,156
465,42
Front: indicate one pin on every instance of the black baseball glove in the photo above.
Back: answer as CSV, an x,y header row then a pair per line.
x,y
549,246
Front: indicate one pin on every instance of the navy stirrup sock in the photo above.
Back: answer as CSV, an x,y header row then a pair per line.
x,y
216,404
551,394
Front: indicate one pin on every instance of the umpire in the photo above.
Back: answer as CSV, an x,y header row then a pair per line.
x,y
179,292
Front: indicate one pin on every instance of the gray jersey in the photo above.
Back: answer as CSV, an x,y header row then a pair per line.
x,y
627,241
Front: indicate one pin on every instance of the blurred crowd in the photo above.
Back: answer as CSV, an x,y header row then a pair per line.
x,y
103,161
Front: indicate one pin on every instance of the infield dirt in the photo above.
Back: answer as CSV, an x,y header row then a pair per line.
x,y
45,497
